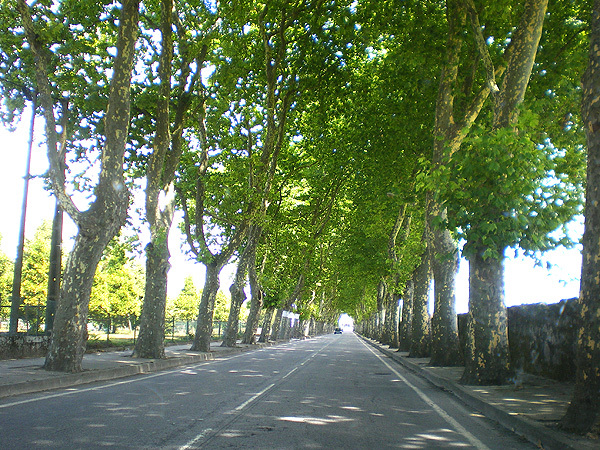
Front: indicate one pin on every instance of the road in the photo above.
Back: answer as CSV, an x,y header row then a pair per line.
x,y
329,392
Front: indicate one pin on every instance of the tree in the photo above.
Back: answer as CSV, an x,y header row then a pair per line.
x,y
118,288
185,305
584,411
519,188
107,213
6,271
35,275
164,159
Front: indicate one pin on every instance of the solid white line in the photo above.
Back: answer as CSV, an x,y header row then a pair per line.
x,y
78,390
443,414
134,379
196,439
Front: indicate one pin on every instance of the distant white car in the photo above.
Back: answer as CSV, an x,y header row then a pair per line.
x,y
337,331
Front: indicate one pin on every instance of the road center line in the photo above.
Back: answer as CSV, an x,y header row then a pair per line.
x,y
443,414
203,434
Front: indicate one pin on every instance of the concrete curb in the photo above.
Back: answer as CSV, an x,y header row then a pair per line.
x,y
60,380
537,434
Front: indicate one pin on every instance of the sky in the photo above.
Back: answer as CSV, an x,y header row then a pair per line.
x,y
13,156
524,282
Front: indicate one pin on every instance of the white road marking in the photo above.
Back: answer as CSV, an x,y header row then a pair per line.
x,y
443,414
244,404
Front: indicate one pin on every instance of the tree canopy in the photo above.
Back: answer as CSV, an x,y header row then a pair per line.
x,y
336,150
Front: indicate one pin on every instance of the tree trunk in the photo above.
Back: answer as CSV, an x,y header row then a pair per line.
x,y
444,257
100,223
419,336
445,349
69,336
380,320
583,413
487,363
150,343
390,326
246,264
405,325
256,302
277,324
160,173
265,333
206,309
237,299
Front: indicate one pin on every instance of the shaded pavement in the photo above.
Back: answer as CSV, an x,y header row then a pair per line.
x,y
24,376
530,407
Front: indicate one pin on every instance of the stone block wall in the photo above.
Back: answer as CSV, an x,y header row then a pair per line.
x,y
541,338
23,346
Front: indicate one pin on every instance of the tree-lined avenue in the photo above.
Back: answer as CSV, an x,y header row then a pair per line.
x,y
327,392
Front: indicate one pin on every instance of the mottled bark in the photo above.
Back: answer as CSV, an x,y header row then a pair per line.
x,y
276,328
246,264
238,297
444,257
204,324
444,325
390,327
99,224
521,57
419,335
150,342
265,333
405,325
583,413
256,302
69,336
160,174
379,321
487,362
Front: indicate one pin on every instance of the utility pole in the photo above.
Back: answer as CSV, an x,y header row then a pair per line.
x,y
54,272
16,287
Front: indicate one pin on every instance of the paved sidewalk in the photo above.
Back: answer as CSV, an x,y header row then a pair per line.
x,y
531,407
23,376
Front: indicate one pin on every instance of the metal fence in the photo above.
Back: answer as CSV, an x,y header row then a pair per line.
x,y
32,321
176,328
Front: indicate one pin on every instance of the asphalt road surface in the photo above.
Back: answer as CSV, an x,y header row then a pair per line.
x,y
331,392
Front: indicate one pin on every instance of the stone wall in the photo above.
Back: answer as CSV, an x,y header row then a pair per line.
x,y
22,346
541,338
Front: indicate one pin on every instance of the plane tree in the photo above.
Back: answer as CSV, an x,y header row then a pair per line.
x,y
49,34
296,47
583,412
520,188
174,48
